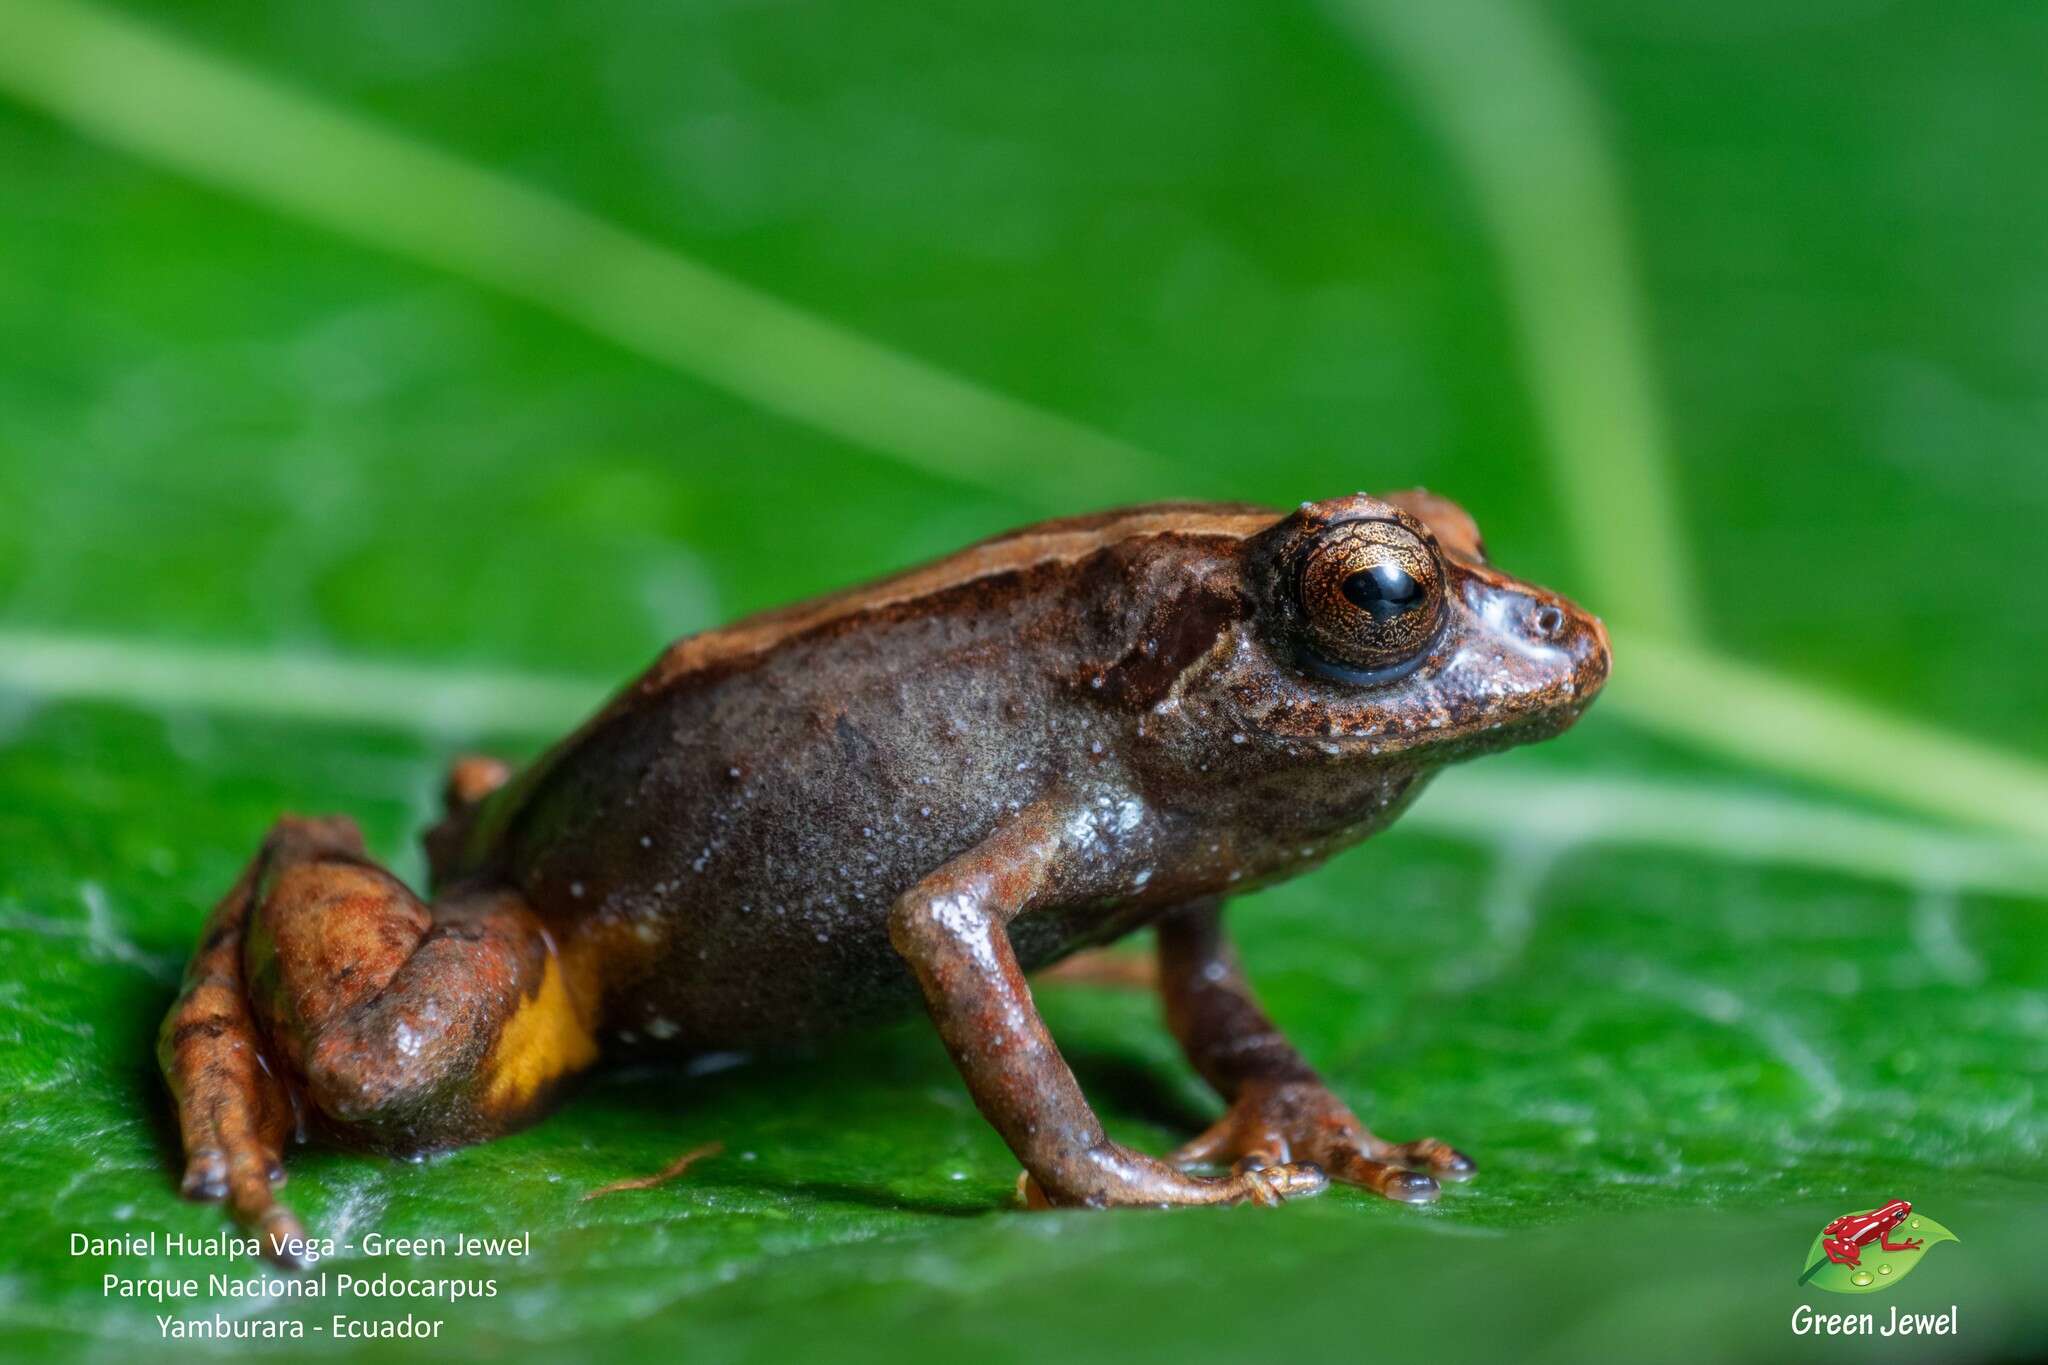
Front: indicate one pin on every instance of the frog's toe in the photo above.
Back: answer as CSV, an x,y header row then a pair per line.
x,y
1398,1183
206,1176
1433,1155
234,1154
1030,1194
1410,1187
1146,1183
1272,1185
471,778
1455,1166
1234,1140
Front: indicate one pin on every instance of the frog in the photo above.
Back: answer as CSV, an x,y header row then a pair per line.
x,y
1844,1239
913,793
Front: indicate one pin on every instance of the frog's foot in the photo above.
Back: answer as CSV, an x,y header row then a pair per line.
x,y
234,1113
322,979
1113,1176
471,778
1302,1121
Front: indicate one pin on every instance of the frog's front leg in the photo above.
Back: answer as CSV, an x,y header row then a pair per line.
x,y
952,929
1280,1110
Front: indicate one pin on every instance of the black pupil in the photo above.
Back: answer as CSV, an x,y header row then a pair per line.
x,y
1383,590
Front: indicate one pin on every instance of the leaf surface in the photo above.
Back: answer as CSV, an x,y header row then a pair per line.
x,y
289,517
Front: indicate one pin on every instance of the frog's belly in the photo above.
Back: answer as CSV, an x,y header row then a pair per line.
x,y
759,976
787,944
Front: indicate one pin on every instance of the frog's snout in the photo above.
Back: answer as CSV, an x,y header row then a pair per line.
x,y
1567,655
1592,653
1580,638
1553,654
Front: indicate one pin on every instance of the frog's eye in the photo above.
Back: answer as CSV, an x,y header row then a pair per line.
x,y
1372,594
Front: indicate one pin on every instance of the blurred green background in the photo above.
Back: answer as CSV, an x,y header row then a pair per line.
x,y
383,379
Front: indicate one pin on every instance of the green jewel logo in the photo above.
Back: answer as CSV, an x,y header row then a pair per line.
x,y
1861,1253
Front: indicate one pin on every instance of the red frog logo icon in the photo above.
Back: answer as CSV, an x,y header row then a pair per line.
x,y
1857,1254
1844,1239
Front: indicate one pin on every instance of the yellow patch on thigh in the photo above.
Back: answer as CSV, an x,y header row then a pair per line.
x,y
544,1039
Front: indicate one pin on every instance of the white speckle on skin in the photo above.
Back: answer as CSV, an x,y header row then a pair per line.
x,y
663,1029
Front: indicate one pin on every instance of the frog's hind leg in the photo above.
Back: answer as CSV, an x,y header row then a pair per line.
x,y
324,991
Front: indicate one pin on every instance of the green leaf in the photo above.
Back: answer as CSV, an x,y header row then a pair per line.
x,y
314,474
1876,1268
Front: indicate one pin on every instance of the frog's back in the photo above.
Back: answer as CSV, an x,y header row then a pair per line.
x,y
989,579
989,575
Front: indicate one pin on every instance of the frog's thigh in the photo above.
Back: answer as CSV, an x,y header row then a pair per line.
x,y
405,1026
411,1027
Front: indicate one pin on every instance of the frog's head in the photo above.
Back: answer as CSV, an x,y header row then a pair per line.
x,y
1378,629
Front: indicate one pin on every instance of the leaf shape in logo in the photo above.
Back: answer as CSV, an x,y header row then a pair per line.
x,y
1880,1269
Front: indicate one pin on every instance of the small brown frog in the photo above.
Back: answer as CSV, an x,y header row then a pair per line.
x,y
918,790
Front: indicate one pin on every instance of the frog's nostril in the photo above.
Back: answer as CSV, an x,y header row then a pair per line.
x,y
1547,621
